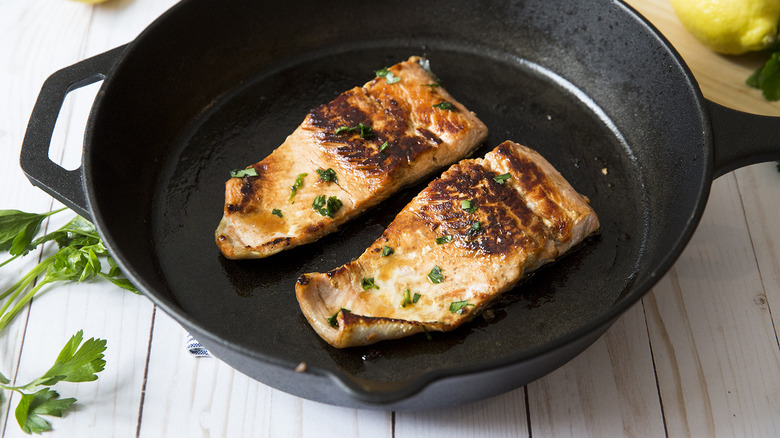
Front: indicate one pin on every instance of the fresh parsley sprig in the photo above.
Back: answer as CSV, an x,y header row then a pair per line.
x,y
76,362
77,259
767,78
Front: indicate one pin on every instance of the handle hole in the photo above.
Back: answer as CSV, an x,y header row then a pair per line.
x,y
68,136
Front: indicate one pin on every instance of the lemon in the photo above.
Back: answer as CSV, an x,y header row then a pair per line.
x,y
731,26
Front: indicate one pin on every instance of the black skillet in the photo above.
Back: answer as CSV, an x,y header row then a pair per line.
x,y
215,85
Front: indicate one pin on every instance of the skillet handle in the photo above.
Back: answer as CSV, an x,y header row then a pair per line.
x,y
65,185
741,139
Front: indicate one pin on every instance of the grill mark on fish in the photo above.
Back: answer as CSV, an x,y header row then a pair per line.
x,y
536,185
504,218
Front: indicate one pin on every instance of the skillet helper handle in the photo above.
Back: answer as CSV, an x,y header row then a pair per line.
x,y
741,139
66,186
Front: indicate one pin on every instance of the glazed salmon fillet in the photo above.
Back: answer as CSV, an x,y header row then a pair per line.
x,y
471,235
347,156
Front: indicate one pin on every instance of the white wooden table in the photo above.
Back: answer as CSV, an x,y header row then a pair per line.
x,y
698,356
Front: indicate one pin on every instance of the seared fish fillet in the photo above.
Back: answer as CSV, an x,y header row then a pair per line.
x,y
346,156
471,235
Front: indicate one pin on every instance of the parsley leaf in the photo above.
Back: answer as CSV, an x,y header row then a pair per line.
x,y
501,178
365,131
445,106
383,146
390,78
767,78
76,362
333,321
368,283
407,300
328,175
44,402
297,184
327,207
468,205
386,251
78,259
276,212
459,306
240,173
435,275
475,227
17,229
443,239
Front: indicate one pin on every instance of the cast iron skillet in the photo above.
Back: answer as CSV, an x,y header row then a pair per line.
x,y
213,85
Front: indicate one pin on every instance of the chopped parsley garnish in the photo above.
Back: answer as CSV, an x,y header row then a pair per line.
x,y
365,131
297,184
459,306
434,85
468,205
443,239
388,75
276,212
240,173
416,297
475,227
383,146
444,105
386,251
368,283
407,298
501,178
327,207
333,321
328,175
435,275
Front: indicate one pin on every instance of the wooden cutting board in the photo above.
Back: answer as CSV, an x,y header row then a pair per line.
x,y
721,77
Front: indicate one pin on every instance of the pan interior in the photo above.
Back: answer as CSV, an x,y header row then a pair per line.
x,y
252,303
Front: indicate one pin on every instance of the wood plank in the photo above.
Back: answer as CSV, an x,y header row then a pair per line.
x,y
714,345
608,390
501,416
189,396
759,189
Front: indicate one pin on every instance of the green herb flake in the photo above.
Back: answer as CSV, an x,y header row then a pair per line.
x,y
368,283
444,106
767,78
333,321
501,178
435,275
407,300
443,239
388,75
435,84
468,205
416,297
365,131
383,146
475,227
240,173
328,175
459,306
386,251
297,184
328,207
276,212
